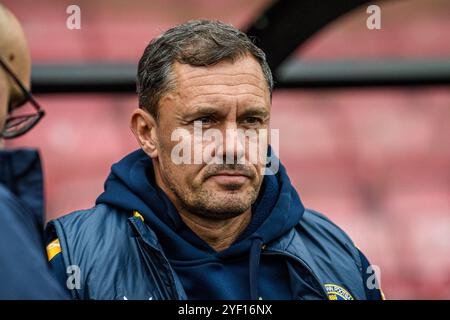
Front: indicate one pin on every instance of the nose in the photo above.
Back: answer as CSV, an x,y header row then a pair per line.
x,y
233,146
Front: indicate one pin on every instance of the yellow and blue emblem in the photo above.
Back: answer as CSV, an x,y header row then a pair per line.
x,y
336,292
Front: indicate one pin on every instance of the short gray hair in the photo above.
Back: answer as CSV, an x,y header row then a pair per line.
x,y
197,43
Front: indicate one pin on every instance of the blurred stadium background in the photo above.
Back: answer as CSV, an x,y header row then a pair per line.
x,y
376,160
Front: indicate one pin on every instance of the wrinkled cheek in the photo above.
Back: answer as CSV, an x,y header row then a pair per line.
x,y
184,175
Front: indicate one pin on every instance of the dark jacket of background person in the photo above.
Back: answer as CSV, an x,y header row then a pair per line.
x,y
24,272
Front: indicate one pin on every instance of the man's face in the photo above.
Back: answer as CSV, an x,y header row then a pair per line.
x,y
14,51
9,91
225,97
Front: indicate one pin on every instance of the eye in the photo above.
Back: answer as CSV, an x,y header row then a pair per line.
x,y
252,120
206,120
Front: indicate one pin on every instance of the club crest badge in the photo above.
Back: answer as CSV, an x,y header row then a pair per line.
x,y
336,292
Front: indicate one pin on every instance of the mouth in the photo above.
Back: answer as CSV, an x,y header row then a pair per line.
x,y
235,178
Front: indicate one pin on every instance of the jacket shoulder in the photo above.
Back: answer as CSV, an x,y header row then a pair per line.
x,y
86,216
91,227
332,254
329,233
90,240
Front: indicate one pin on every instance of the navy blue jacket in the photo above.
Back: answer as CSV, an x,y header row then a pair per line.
x,y
24,272
134,245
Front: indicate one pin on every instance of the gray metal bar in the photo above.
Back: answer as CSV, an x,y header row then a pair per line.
x,y
121,78
297,74
84,78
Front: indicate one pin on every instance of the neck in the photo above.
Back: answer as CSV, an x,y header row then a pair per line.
x,y
219,234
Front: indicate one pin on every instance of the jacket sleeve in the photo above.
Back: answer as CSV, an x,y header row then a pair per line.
x,y
370,279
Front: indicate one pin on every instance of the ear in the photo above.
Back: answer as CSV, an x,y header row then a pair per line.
x,y
144,127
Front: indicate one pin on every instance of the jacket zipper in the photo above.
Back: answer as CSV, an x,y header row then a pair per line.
x,y
302,262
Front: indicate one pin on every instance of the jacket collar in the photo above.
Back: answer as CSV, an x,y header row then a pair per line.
x,y
21,174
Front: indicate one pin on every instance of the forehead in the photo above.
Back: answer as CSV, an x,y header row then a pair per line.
x,y
241,80
14,47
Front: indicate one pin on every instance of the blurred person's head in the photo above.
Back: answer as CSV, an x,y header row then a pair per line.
x,y
15,54
210,73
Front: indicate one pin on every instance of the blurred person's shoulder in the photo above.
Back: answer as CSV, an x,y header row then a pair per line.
x,y
25,274
14,214
6,198
11,209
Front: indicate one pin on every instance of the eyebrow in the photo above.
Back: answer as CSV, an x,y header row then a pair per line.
x,y
205,110
200,111
210,110
256,111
